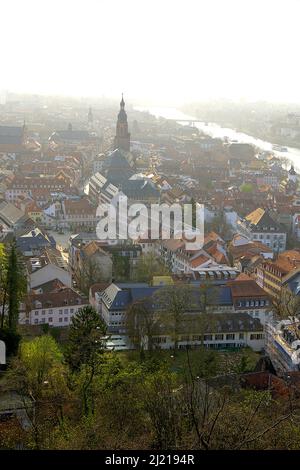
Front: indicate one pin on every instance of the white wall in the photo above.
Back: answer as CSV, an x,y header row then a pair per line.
x,y
61,316
255,344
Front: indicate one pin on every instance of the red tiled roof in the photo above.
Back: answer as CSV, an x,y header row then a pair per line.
x,y
247,288
98,287
287,261
82,206
63,297
201,259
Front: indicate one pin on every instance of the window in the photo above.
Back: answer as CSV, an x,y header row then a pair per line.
x,y
50,311
207,337
71,310
50,319
196,338
255,336
66,311
60,311
160,339
65,319
36,312
60,320
241,336
36,320
185,338
230,336
43,312
219,337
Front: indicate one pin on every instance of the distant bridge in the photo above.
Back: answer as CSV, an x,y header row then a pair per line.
x,y
192,122
187,120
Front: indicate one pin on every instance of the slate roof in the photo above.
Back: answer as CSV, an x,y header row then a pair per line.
x,y
99,181
222,323
116,159
120,296
12,131
70,135
117,168
10,140
11,135
140,189
221,296
29,243
293,283
10,214
33,240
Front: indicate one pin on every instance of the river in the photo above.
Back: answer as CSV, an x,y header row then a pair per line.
x,y
214,130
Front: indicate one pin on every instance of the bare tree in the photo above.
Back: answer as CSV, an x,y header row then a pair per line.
x,y
223,417
90,273
173,303
150,265
287,306
142,322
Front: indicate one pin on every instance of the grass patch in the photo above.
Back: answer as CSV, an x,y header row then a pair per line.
x,y
218,362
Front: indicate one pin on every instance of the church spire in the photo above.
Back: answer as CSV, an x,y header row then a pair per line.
x,y
122,138
122,103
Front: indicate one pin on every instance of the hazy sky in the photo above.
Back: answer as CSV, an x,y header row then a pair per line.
x,y
165,50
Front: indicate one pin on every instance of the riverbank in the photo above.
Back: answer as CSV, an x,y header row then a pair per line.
x,y
218,131
275,139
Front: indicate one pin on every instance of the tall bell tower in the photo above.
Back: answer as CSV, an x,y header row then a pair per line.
x,y
122,138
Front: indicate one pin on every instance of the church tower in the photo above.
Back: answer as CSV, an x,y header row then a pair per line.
x,y
122,139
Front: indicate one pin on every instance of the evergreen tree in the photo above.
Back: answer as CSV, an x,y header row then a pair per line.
x,y
16,285
3,282
85,338
12,285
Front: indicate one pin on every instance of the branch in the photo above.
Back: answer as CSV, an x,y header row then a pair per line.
x,y
283,418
